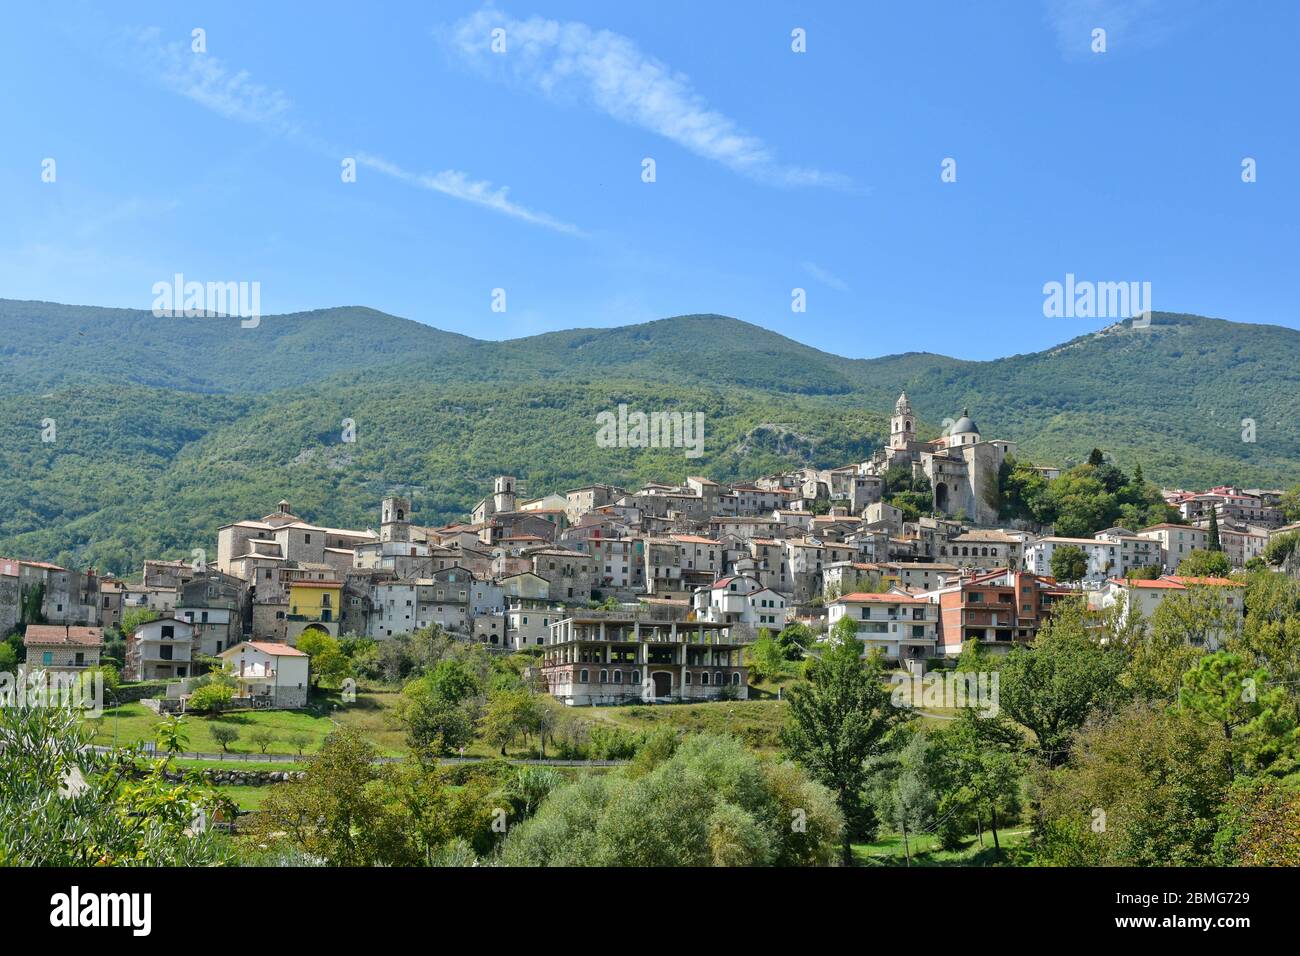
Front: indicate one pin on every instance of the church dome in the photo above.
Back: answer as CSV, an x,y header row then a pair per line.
x,y
964,425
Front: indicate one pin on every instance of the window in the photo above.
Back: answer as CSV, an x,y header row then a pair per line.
x,y
717,678
618,677
636,677
582,676
47,657
735,677
688,677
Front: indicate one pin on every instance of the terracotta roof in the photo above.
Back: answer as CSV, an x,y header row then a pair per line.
x,y
887,598
1163,584
315,584
1209,582
275,649
46,635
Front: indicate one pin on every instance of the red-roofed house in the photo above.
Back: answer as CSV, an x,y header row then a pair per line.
x,y
1147,596
270,673
54,647
741,599
903,626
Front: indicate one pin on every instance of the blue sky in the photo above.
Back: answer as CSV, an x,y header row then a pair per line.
x,y
774,169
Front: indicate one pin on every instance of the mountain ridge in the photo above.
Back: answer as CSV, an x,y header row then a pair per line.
x,y
163,436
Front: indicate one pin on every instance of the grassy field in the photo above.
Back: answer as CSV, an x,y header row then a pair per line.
x,y
755,722
134,722
888,850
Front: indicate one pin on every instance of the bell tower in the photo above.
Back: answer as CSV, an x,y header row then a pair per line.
x,y
902,427
396,523
503,494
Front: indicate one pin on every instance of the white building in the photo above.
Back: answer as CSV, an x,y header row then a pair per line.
x,y
903,626
1103,556
269,672
1146,596
1177,541
160,650
741,599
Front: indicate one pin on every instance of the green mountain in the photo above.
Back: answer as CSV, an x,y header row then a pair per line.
x,y
164,429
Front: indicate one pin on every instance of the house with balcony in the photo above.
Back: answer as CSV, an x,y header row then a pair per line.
x,y
313,606
614,657
1000,609
270,674
160,650
902,627
741,600
59,648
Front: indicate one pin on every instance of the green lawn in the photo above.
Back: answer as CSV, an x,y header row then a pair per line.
x,y
247,798
888,850
757,723
134,722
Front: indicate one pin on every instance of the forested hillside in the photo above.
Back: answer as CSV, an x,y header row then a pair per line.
x,y
166,428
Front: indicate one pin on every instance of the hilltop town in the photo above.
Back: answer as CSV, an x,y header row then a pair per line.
x,y
657,589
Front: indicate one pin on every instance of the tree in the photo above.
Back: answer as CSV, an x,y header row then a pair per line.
x,y
711,803
764,657
1069,563
794,640
1260,826
1205,564
299,742
225,735
913,801
1214,544
171,735
1234,696
837,721
31,605
510,714
65,805
1142,787
328,662
1290,504
210,699
435,727
453,680
1052,686
262,738
133,617
335,811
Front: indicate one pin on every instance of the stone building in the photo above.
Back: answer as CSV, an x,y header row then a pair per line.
x,y
961,466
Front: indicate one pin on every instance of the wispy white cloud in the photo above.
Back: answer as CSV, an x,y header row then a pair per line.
x,y
826,277
1129,24
608,71
205,79
451,182
233,93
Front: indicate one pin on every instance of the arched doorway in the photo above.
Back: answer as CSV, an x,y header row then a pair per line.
x,y
663,683
941,496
